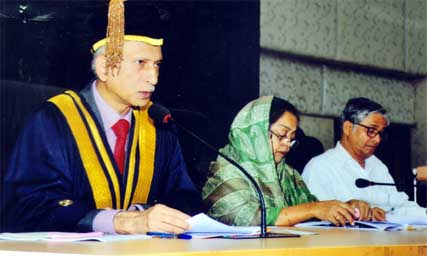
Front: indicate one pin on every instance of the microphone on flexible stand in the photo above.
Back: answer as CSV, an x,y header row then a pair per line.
x,y
362,183
162,115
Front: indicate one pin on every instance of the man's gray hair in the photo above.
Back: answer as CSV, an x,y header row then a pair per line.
x,y
357,109
98,52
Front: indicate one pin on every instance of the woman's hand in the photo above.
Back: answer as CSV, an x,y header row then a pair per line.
x,y
364,209
366,212
334,211
378,214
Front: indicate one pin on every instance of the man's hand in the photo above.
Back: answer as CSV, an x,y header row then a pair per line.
x,y
378,214
158,218
364,209
334,211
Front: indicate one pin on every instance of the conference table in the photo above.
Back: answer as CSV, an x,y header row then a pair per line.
x,y
329,242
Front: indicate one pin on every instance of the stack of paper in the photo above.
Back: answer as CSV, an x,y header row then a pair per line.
x,y
204,227
358,225
409,221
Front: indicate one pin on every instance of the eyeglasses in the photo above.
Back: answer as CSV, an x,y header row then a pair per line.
x,y
292,141
372,132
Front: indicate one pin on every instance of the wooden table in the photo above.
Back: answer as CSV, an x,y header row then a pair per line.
x,y
328,242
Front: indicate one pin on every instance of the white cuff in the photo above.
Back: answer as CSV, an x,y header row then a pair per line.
x,y
103,221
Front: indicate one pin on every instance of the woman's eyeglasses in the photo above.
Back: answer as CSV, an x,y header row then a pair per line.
x,y
292,141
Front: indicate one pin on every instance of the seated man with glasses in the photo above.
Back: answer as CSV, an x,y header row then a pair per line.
x,y
332,175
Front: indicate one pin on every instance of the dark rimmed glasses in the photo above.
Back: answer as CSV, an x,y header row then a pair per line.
x,y
372,132
292,141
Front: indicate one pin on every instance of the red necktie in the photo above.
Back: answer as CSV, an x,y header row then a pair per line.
x,y
121,129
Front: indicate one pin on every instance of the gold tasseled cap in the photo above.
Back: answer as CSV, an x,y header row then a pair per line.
x,y
143,25
115,34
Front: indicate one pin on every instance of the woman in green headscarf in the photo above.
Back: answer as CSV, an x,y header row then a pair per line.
x,y
261,135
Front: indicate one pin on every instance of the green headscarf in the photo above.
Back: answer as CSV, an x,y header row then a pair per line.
x,y
229,194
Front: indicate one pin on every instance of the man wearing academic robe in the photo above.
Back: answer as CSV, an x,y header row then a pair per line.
x,y
94,160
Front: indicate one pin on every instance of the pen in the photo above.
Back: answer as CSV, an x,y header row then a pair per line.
x,y
161,235
169,235
184,236
391,210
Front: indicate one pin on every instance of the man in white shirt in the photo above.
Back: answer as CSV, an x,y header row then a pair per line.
x,y
332,175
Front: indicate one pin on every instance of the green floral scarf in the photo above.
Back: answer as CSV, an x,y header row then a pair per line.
x,y
229,194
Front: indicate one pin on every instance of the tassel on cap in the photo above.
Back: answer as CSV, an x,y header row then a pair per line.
x,y
142,22
115,34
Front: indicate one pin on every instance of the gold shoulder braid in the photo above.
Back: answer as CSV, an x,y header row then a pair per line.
x,y
115,35
102,193
147,148
103,179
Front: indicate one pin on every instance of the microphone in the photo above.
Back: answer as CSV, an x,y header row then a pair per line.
x,y
362,183
162,115
159,114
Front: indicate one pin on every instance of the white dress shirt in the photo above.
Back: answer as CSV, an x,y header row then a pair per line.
x,y
332,175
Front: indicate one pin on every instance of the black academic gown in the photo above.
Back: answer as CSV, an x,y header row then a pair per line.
x,y
46,185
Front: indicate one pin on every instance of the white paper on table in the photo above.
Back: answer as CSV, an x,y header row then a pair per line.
x,y
408,219
201,223
358,225
106,238
68,236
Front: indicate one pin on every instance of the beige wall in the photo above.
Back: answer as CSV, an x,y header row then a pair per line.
x,y
319,53
380,34
323,89
419,136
